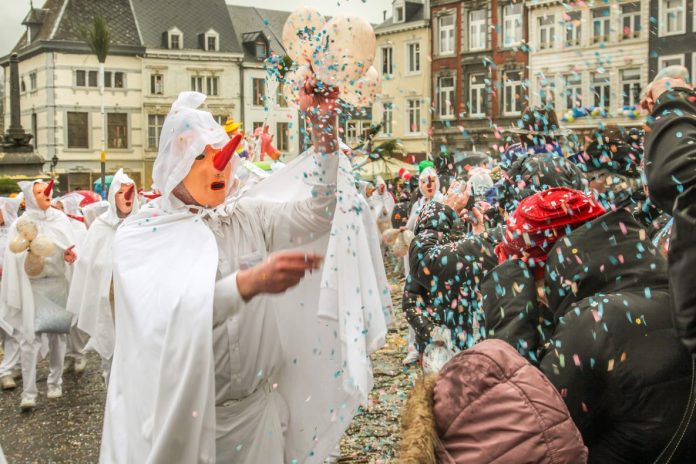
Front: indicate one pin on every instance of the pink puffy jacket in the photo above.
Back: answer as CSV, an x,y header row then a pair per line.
x,y
489,405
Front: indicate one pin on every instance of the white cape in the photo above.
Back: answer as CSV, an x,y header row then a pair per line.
x,y
16,298
160,403
332,321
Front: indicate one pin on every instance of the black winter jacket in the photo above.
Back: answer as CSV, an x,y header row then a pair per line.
x,y
670,152
611,350
446,269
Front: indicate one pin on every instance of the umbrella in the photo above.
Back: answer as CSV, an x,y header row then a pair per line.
x,y
387,168
98,186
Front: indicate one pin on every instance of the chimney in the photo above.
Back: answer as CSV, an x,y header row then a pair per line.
x,y
384,15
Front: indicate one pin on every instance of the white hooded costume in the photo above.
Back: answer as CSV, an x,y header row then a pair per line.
x,y
200,375
381,205
71,208
19,294
10,361
90,291
92,211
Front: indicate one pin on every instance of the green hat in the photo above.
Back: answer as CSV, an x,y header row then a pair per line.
x,y
425,164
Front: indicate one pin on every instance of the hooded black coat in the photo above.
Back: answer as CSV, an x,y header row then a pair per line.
x,y
447,267
670,153
611,350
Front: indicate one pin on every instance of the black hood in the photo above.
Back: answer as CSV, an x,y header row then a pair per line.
x,y
538,172
612,253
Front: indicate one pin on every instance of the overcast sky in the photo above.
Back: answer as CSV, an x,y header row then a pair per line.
x,y
12,12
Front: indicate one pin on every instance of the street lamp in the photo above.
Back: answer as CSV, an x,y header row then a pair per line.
x,y
54,163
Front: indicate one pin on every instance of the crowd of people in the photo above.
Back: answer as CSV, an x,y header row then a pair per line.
x,y
551,298
548,295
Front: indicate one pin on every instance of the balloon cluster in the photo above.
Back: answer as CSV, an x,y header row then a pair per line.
x,y
338,53
37,246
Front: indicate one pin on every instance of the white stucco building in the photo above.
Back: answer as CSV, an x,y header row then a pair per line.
x,y
590,56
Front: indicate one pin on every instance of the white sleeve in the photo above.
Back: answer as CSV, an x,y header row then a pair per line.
x,y
227,300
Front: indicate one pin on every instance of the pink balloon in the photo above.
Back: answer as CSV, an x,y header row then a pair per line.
x,y
293,82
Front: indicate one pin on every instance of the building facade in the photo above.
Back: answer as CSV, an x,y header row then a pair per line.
x,y
672,35
403,107
589,62
259,31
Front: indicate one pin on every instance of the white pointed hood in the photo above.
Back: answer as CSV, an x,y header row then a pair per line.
x,y
120,179
185,133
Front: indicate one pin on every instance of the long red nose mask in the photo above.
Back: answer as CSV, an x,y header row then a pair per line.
x,y
223,157
129,193
48,190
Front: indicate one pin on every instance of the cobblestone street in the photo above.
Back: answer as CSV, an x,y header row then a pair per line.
x,y
68,430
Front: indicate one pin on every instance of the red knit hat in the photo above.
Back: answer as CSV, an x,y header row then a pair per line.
x,y
543,218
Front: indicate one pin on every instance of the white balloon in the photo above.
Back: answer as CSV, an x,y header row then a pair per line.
x,y
302,34
389,236
350,51
42,246
363,92
33,264
292,84
27,228
19,244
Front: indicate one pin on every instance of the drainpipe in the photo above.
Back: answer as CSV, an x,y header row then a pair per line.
x,y
242,111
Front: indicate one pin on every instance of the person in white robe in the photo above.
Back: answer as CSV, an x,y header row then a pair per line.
x,y
208,365
20,294
90,297
92,211
382,205
429,186
69,204
10,368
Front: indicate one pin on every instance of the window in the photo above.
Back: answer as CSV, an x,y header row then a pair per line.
x,y
32,81
80,78
573,29
283,141
117,130
220,119
35,129
547,89
22,86
630,20
93,79
156,84
601,90
197,84
671,60
176,39
387,61
478,32
477,97
154,129
400,14
258,91
413,116
672,17
78,130
255,125
546,31
512,24
107,79
260,50
414,64
280,98
445,97
388,118
351,132
512,93
211,43
573,91
119,80
630,87
212,85
600,25
445,26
